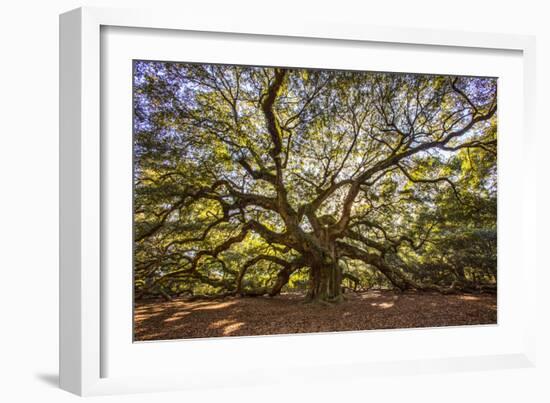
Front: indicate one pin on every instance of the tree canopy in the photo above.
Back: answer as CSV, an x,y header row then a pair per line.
x,y
254,180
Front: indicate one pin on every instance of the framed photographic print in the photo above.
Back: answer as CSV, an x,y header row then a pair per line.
x,y
318,196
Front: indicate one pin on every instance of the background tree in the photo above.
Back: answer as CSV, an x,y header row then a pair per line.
x,y
246,177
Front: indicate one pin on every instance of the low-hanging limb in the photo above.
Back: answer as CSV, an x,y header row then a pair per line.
x,y
395,277
391,243
282,278
252,262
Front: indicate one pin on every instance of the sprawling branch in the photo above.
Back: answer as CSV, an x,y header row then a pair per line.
x,y
429,180
396,278
394,160
282,276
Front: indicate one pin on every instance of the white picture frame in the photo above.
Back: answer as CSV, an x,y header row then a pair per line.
x,y
83,306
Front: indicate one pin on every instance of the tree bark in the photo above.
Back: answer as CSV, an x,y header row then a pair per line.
x,y
325,276
282,279
325,283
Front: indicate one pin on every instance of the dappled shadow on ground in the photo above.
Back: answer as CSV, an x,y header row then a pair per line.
x,y
286,314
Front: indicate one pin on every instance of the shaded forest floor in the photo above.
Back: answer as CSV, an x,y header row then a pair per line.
x,y
286,314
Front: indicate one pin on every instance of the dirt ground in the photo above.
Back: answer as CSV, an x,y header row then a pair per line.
x,y
286,314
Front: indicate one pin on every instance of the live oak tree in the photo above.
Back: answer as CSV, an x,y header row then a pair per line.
x,y
247,177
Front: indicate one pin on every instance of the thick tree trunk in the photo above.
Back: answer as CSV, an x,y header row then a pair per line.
x,y
325,283
325,275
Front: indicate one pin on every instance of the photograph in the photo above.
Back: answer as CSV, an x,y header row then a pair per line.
x,y
277,200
